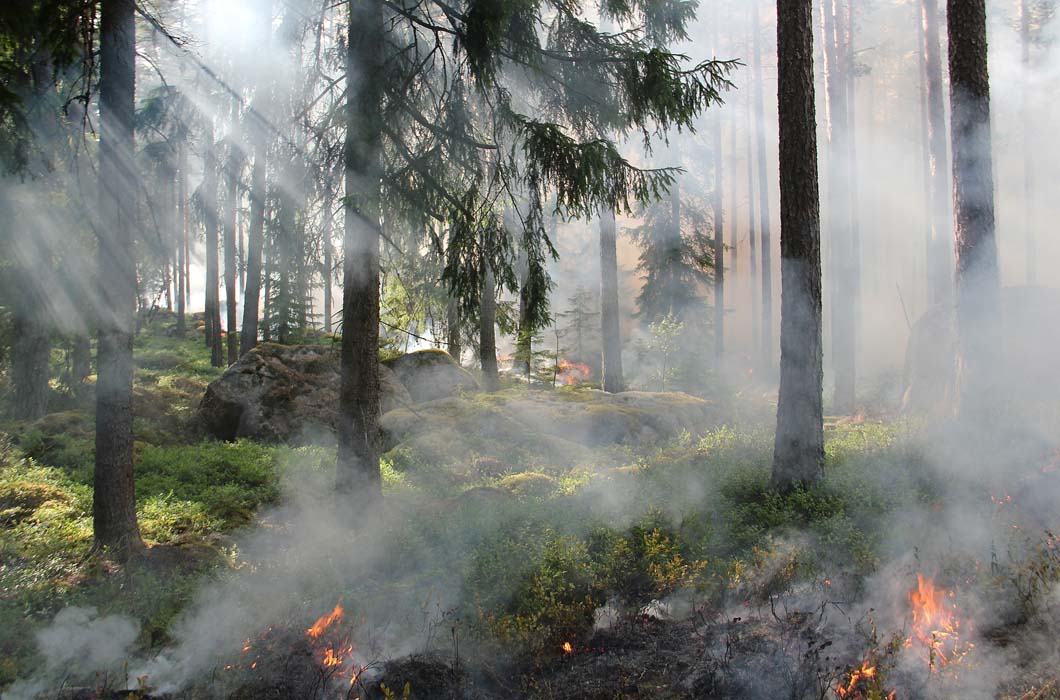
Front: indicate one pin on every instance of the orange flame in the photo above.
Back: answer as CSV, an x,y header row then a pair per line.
x,y
325,621
571,373
936,627
568,648
857,680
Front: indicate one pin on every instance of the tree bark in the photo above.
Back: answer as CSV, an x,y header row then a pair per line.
x,y
114,502
940,266
212,297
734,210
452,328
610,331
798,455
752,233
232,169
719,241
978,286
30,354
358,474
839,216
1029,243
182,236
329,265
81,358
765,360
487,343
255,236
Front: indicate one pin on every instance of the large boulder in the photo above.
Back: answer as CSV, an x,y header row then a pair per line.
x,y
432,374
284,393
1027,373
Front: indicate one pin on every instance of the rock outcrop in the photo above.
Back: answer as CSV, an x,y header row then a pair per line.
x,y
431,374
280,393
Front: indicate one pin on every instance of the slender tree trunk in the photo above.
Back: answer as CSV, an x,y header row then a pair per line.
x,y
30,356
255,236
839,216
940,276
675,225
734,210
182,236
719,241
756,317
487,330
1030,245
359,402
765,361
850,76
241,253
452,328
114,500
525,339
329,265
232,169
610,331
81,358
798,455
978,286
211,166
925,156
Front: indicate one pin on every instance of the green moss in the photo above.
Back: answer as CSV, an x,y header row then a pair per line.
x,y
528,485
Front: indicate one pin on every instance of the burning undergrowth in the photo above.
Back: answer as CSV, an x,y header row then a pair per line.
x,y
683,577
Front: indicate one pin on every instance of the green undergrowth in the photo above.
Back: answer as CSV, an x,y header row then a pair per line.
x,y
529,535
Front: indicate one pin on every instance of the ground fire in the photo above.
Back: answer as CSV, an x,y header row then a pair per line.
x,y
936,625
572,373
861,684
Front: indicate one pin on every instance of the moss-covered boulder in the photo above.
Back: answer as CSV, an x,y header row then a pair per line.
x,y
431,374
284,393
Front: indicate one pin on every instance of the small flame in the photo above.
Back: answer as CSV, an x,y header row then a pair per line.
x,y
572,373
325,621
858,685
568,648
936,627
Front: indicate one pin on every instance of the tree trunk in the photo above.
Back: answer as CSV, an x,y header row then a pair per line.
x,y
114,501
487,345
752,233
719,241
798,455
255,236
1030,245
978,287
213,300
231,208
734,210
525,340
940,279
925,157
839,216
452,328
30,356
81,358
765,361
358,474
329,265
850,76
182,236
610,332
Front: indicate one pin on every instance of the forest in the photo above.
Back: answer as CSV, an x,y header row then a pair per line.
x,y
529,349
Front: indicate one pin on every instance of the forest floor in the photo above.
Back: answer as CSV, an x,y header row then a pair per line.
x,y
663,570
